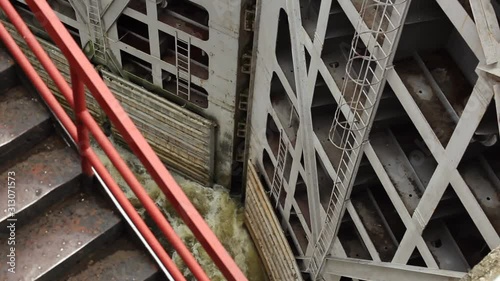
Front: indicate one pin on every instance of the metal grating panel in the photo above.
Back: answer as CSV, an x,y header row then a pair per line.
x,y
266,232
182,139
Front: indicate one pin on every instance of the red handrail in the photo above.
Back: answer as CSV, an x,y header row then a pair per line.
x,y
83,74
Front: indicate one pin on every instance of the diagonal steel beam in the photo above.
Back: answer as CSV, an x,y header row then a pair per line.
x,y
448,161
114,9
384,271
304,104
487,29
464,24
80,8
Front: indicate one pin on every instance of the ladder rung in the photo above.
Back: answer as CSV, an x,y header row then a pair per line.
x,y
182,48
183,84
282,154
180,55
182,72
184,75
183,68
278,180
182,88
182,63
184,78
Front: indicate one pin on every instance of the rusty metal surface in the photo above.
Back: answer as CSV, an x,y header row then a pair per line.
x,y
24,120
485,186
419,88
62,65
122,260
375,225
54,227
47,174
59,236
8,76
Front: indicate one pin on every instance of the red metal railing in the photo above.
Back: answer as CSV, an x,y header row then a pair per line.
x,y
83,74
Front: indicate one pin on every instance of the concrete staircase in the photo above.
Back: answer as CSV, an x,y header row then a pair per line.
x,y
64,230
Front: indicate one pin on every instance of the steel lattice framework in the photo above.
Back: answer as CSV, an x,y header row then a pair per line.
x,y
421,161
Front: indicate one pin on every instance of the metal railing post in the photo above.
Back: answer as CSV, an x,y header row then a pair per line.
x,y
82,130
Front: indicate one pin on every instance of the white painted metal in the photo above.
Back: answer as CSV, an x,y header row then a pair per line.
x,y
496,88
382,271
487,29
361,91
95,23
222,47
277,183
448,160
432,181
463,22
304,103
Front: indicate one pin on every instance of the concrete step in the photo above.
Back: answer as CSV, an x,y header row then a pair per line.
x,y
8,73
24,122
58,238
48,173
121,260
53,228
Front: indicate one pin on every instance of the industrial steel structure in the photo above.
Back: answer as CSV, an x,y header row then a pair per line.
x,y
374,128
170,58
56,224
369,128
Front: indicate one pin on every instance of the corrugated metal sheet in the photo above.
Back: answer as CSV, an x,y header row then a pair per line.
x,y
62,64
181,138
266,232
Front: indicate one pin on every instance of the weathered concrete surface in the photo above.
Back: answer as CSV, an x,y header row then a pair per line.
x,y
487,270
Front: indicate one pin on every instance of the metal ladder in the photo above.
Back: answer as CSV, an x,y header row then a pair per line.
x,y
361,91
96,26
183,65
277,183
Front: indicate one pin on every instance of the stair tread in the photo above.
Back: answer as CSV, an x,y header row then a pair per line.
x,y
8,76
58,235
49,166
24,118
122,260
